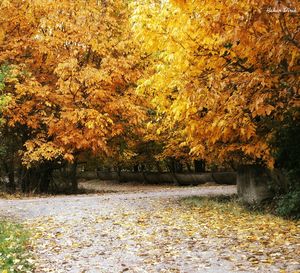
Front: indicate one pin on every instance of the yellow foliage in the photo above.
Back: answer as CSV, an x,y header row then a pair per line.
x,y
217,72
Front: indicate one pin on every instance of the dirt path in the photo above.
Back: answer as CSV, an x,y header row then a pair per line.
x,y
122,232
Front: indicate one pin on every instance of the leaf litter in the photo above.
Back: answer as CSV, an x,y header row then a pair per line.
x,y
160,234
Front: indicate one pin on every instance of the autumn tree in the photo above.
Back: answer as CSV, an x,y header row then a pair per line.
x,y
75,68
226,74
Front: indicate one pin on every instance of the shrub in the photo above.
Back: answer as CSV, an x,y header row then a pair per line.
x,y
289,205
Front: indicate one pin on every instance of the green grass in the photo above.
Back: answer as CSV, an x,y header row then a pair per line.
x,y
224,204
14,248
236,206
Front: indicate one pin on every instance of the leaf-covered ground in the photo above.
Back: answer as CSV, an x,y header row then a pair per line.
x,y
156,231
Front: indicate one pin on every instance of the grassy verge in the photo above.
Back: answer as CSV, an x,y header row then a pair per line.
x,y
218,201
14,245
270,206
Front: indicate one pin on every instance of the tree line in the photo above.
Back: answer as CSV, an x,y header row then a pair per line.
x,y
138,81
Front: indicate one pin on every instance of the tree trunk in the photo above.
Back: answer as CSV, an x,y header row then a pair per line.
x,y
178,166
136,168
199,166
25,180
45,178
253,183
174,165
73,177
158,167
188,166
11,182
10,170
119,169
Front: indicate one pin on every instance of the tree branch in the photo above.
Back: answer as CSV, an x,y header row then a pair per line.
x,y
287,32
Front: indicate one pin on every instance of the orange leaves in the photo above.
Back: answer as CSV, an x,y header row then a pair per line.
x,y
260,105
76,76
266,111
2,35
181,3
68,157
66,69
260,27
216,73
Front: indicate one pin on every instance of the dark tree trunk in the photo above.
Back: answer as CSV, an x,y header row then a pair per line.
x,y
25,180
199,166
45,177
11,182
188,166
158,167
98,170
10,170
119,169
135,168
174,165
178,166
73,177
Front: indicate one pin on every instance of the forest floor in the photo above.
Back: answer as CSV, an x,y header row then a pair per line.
x,y
139,229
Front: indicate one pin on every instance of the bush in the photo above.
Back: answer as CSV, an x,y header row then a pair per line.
x,y
287,153
289,205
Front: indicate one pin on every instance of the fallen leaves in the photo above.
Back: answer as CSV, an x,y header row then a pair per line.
x,y
155,234
263,239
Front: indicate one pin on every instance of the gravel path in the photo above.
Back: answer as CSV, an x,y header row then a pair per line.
x,y
120,232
